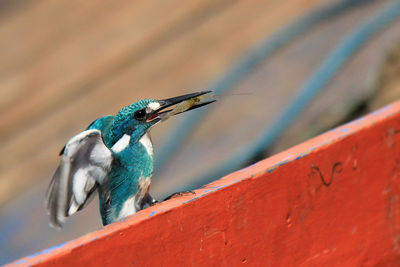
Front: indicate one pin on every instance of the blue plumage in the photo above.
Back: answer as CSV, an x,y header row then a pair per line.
x,y
127,167
113,156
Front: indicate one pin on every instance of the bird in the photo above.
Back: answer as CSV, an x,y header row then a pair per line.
x,y
114,158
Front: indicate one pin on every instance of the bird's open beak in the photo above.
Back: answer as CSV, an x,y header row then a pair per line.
x,y
183,103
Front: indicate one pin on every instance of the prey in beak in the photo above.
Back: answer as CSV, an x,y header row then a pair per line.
x,y
182,104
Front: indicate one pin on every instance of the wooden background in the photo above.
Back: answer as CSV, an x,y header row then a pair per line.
x,y
66,63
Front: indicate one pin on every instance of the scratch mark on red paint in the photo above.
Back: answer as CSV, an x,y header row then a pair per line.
x,y
336,169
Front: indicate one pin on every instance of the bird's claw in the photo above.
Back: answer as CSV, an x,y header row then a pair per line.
x,y
179,194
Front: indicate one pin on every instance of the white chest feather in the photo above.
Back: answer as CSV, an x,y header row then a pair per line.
x,y
146,142
134,203
121,144
128,208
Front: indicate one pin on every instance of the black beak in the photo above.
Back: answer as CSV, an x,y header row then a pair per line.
x,y
178,99
193,101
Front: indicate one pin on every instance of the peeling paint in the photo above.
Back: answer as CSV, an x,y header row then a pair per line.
x,y
273,168
48,250
152,213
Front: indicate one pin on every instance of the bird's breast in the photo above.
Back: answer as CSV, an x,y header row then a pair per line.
x,y
144,184
128,208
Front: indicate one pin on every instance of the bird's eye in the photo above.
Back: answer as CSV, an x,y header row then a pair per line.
x,y
140,114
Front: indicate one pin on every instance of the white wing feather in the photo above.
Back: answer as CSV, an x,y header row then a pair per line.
x,y
84,164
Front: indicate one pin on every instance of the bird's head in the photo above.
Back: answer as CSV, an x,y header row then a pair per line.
x,y
136,119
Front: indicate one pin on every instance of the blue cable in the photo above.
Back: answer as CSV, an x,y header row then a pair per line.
x,y
314,84
245,65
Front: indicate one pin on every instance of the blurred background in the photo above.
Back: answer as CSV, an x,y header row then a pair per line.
x,y
284,71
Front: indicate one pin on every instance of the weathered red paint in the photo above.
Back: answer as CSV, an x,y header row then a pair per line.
x,y
331,201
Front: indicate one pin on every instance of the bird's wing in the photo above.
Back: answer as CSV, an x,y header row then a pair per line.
x,y
85,162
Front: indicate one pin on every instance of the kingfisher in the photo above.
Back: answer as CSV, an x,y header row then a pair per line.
x,y
113,157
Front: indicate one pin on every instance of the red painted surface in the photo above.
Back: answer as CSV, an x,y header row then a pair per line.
x,y
331,201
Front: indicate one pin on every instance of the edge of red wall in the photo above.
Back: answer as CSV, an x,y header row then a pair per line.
x,y
331,200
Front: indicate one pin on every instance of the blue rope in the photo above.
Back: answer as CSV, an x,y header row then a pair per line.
x,y
245,65
315,83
